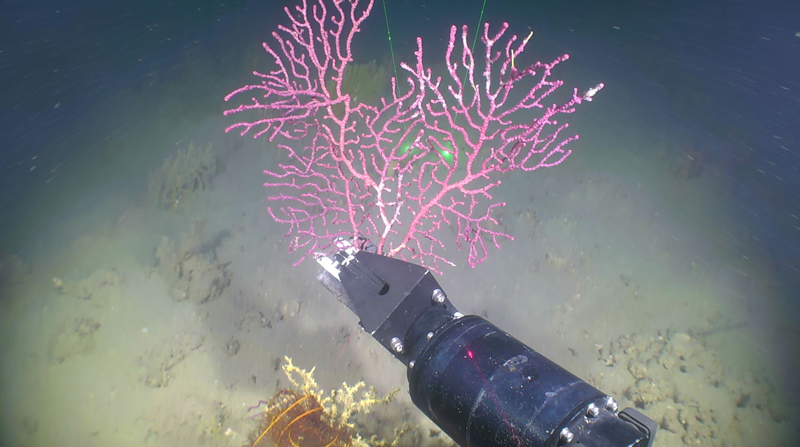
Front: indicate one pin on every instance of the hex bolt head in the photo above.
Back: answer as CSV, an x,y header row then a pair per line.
x,y
438,296
566,436
396,345
611,404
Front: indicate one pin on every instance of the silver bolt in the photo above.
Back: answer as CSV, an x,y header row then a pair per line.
x,y
593,411
457,315
611,404
396,345
411,364
438,296
429,336
566,436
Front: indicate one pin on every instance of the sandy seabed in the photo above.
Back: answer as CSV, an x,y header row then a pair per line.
x,y
128,325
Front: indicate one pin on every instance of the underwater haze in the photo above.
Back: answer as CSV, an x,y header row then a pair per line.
x,y
149,296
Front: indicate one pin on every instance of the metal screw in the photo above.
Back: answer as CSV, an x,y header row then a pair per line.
x,y
457,315
611,404
566,436
593,411
429,336
396,345
411,364
438,296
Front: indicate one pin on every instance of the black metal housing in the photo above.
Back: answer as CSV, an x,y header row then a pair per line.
x,y
482,386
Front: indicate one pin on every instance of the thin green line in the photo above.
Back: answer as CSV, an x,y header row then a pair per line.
x,y
474,41
391,46
480,20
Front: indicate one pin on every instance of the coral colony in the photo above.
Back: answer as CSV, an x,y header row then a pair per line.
x,y
422,161
304,413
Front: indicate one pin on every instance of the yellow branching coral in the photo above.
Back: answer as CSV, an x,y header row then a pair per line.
x,y
305,416
342,403
399,433
306,382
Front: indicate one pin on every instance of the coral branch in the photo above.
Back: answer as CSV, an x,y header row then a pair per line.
x,y
422,161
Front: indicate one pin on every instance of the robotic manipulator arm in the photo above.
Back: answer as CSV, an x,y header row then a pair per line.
x,y
480,385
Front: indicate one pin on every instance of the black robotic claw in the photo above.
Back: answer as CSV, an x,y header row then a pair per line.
x,y
479,384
